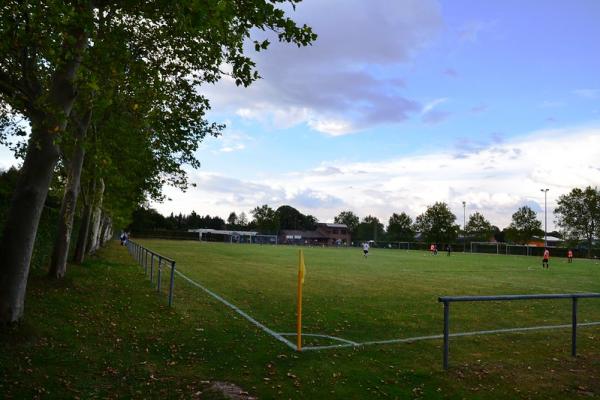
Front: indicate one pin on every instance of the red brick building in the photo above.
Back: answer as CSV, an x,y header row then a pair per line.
x,y
325,234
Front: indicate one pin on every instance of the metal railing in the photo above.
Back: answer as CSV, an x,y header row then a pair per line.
x,y
146,258
574,297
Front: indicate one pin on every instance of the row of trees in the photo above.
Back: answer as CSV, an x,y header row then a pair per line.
x,y
264,219
577,214
108,94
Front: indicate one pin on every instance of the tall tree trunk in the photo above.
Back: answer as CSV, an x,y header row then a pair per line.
x,y
58,264
22,222
23,217
96,218
84,228
104,231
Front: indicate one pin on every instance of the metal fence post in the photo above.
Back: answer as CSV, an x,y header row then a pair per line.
x,y
446,333
171,284
574,329
158,278
152,271
151,264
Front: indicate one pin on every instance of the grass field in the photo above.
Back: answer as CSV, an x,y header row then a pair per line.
x,y
390,295
103,332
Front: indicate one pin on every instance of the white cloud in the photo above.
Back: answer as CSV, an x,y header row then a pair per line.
x,y
331,86
432,104
431,115
230,149
231,141
494,178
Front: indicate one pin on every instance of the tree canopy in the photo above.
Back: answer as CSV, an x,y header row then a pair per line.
x,y
156,53
349,218
400,228
437,224
266,220
578,215
370,228
479,228
524,226
291,218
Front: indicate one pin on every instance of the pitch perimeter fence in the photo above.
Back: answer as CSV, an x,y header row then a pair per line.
x,y
573,296
146,258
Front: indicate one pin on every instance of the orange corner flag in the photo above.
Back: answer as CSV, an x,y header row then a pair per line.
x,y
301,268
301,274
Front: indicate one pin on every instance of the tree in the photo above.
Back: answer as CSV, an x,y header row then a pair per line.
x,y
437,225
400,228
349,219
479,228
242,220
42,45
370,229
290,218
232,220
524,226
266,220
578,215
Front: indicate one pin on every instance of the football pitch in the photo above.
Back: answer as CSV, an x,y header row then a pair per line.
x,y
389,297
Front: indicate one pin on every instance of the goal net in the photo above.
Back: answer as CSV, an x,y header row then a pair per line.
x,y
518,250
264,239
485,247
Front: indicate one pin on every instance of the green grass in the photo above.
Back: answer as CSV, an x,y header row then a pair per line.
x,y
392,294
105,333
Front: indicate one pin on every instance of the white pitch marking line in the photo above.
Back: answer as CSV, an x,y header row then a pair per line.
x,y
349,343
242,313
457,334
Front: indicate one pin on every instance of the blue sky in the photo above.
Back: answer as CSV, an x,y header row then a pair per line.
x,y
400,104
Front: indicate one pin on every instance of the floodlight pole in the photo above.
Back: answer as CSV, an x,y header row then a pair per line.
x,y
545,217
464,226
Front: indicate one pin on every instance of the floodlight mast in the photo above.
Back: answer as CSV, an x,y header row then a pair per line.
x,y
464,203
545,217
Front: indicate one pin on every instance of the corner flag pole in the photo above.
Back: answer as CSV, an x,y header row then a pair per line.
x,y
301,272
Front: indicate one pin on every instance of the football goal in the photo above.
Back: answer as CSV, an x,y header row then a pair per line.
x,y
485,247
518,250
229,236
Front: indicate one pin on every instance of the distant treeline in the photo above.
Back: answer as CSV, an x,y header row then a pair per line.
x,y
148,219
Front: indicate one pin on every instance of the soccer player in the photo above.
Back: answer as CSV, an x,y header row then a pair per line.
x,y
449,249
365,249
570,256
432,249
546,258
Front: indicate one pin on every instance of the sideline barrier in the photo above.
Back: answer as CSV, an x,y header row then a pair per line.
x,y
141,255
573,296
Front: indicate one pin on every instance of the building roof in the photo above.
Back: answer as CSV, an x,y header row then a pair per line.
x,y
549,238
342,226
223,232
303,234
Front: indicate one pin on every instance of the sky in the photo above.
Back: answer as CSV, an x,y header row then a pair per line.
x,y
401,104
